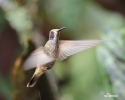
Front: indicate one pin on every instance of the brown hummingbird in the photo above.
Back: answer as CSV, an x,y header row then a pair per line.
x,y
44,57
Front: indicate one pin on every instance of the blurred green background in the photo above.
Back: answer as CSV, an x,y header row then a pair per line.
x,y
88,75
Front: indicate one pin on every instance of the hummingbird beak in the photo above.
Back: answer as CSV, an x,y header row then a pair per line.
x,y
61,28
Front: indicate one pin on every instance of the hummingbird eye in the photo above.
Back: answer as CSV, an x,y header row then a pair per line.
x,y
52,33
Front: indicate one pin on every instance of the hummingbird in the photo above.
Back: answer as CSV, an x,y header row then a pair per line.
x,y
43,58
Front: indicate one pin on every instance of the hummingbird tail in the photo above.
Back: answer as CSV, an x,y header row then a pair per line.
x,y
38,72
33,81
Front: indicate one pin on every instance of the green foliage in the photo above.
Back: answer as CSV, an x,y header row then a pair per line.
x,y
5,87
2,21
112,58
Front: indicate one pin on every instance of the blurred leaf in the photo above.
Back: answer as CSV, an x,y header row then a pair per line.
x,y
112,58
5,87
2,21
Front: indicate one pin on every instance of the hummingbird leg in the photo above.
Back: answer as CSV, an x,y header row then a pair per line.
x,y
50,65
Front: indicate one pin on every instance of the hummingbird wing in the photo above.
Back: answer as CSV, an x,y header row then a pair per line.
x,y
37,57
68,48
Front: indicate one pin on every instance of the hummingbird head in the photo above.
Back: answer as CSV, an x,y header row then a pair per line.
x,y
54,34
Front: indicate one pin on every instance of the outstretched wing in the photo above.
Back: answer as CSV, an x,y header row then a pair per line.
x,y
37,57
67,48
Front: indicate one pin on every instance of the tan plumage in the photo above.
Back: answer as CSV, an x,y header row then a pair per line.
x,y
39,71
53,50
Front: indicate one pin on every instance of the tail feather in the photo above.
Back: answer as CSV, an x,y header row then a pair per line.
x,y
38,72
33,81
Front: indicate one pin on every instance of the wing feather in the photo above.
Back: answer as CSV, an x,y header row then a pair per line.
x,y
37,57
67,48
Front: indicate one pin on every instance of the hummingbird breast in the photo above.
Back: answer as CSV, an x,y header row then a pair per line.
x,y
52,49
